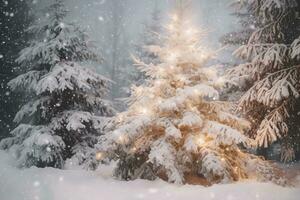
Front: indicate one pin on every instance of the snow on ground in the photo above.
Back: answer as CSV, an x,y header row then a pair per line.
x,y
54,184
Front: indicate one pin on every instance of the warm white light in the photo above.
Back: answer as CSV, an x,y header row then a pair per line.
x,y
196,91
144,111
122,139
200,140
99,156
133,149
189,32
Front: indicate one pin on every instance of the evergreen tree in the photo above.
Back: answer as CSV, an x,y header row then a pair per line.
x,y
14,19
176,126
270,73
62,119
150,37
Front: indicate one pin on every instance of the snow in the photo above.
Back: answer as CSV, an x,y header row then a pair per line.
x,y
54,184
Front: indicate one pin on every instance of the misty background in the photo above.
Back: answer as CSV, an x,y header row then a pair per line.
x,y
117,27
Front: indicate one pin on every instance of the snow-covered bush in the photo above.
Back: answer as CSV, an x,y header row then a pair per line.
x,y
271,72
176,125
61,119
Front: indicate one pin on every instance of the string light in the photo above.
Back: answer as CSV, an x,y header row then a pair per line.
x,y
200,140
196,91
236,169
133,149
189,31
99,156
144,111
122,139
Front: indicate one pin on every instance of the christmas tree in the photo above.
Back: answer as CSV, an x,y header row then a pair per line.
x,y
176,126
270,73
62,119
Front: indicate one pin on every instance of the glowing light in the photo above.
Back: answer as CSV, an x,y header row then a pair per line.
x,y
189,31
122,139
133,149
200,140
144,111
196,91
99,156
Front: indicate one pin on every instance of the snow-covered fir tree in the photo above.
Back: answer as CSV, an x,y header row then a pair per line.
x,y
176,127
63,117
271,73
150,36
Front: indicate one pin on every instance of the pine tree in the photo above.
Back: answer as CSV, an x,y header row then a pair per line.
x,y
270,73
150,37
62,119
176,126
14,19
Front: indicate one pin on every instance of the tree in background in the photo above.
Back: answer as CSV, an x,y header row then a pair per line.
x,y
176,126
150,37
271,72
116,45
62,118
14,19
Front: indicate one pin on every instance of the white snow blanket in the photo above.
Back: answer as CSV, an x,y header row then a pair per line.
x,y
54,184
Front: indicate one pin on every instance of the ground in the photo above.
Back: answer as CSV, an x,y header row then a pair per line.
x,y
54,184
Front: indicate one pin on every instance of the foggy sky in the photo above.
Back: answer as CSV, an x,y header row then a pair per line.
x,y
213,15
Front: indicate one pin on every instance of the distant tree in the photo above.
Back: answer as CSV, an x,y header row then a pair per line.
x,y
15,18
115,41
63,117
150,37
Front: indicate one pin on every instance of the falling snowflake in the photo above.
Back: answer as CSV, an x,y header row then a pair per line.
x,y
100,18
36,184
